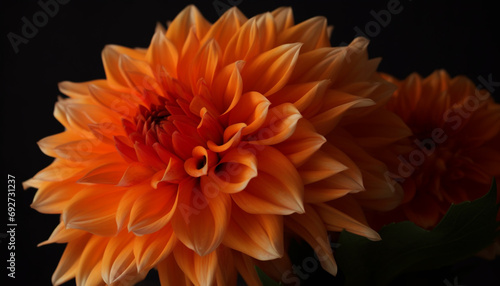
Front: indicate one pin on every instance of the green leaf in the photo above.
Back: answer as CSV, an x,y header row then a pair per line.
x,y
266,280
465,229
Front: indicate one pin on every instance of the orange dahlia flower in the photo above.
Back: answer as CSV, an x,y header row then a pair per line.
x,y
454,154
189,155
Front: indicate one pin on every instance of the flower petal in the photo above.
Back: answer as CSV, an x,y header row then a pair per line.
x,y
228,87
118,258
302,144
233,172
162,54
152,248
320,166
153,209
171,274
62,235
108,174
199,269
270,71
93,209
201,211
283,17
311,228
70,260
312,32
181,26
52,197
336,220
279,125
260,236
277,189
89,273
255,36
226,27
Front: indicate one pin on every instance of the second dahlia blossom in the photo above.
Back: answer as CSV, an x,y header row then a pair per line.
x,y
454,147
189,155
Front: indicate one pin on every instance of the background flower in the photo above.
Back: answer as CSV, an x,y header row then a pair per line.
x,y
456,132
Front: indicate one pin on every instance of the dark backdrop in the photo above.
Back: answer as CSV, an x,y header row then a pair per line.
x,y
459,37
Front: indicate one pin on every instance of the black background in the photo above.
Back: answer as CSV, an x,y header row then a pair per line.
x,y
459,37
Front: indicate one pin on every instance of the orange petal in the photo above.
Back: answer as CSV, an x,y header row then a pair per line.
x,y
270,71
49,143
300,146
226,27
78,116
70,260
89,273
188,51
199,269
140,77
246,268
232,136
174,173
59,170
279,125
118,258
131,194
311,228
198,211
328,118
336,220
312,32
260,236
152,248
209,128
183,23
320,166
135,174
147,155
198,165
255,36
226,273
93,209
108,174
52,197
206,63
277,189
307,97
320,64
283,18
153,209
228,86
62,235
233,172
75,89
162,53
171,274
110,59
253,117
122,103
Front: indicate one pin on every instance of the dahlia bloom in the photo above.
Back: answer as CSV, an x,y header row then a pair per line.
x,y
454,154
194,155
